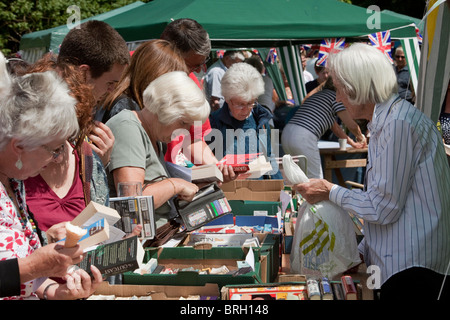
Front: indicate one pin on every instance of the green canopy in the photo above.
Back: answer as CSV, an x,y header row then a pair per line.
x,y
35,44
262,23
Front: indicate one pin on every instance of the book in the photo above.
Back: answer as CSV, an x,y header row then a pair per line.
x,y
248,166
348,288
115,258
97,233
358,224
312,287
206,174
337,291
94,212
135,210
325,289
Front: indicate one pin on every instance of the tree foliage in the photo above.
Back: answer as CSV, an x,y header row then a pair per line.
x,y
18,17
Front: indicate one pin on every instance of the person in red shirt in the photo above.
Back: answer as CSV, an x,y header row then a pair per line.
x,y
193,42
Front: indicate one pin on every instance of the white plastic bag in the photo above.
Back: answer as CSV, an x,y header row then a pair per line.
x,y
324,242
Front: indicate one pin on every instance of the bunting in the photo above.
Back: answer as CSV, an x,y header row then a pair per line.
x,y
327,47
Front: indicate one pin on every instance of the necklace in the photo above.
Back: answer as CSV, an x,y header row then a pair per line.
x,y
27,223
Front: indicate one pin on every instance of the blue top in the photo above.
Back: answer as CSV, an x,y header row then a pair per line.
x,y
252,135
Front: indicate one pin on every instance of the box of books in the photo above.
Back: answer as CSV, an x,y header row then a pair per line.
x,y
254,190
106,291
194,267
254,208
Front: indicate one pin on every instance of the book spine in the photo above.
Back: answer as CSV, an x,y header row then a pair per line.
x,y
313,289
348,287
337,291
325,288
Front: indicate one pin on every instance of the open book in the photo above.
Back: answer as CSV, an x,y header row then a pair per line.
x,y
248,166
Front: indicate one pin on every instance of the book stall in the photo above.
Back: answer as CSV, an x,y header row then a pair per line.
x,y
233,243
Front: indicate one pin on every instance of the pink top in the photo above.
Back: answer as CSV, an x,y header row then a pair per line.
x,y
47,207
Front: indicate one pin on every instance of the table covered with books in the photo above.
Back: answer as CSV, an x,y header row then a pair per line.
x,y
243,253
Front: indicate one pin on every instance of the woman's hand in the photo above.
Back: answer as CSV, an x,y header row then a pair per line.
x,y
228,173
184,189
79,284
102,141
56,232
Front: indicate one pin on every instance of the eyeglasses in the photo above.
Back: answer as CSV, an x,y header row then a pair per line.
x,y
246,106
57,152
199,65
400,57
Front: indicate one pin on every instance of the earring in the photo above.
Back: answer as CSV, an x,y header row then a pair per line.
x,y
19,164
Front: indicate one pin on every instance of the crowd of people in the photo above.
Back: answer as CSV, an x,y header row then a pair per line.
x,y
77,123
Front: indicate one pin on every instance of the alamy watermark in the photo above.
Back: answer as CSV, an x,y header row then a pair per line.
x,y
73,21
374,21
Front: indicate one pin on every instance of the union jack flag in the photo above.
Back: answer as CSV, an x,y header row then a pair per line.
x,y
328,46
382,41
419,36
271,56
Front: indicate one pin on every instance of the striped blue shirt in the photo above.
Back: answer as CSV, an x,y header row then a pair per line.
x,y
406,204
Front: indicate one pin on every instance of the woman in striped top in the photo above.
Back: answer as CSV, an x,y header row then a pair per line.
x,y
313,118
405,204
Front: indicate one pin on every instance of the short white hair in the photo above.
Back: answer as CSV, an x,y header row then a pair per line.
x,y
242,80
37,109
174,96
366,74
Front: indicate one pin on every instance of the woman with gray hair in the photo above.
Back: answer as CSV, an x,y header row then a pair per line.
x,y
171,102
405,204
243,117
37,116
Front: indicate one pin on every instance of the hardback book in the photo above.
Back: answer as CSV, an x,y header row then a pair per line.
x,y
325,289
115,258
248,166
338,292
206,174
135,210
348,287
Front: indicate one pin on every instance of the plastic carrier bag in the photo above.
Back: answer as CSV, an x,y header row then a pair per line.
x,y
324,243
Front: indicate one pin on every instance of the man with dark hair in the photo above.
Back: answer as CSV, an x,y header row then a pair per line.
x,y
193,42
99,51
191,39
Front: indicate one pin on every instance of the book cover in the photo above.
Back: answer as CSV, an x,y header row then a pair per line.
x,y
206,174
325,289
115,258
348,288
133,211
97,232
248,166
94,212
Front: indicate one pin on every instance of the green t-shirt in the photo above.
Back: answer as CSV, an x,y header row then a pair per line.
x,y
133,148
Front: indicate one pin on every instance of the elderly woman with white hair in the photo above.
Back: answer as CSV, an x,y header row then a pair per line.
x,y
171,102
243,124
405,204
37,116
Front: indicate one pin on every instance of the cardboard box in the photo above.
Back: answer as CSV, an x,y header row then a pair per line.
x,y
254,208
269,249
256,190
188,257
209,291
